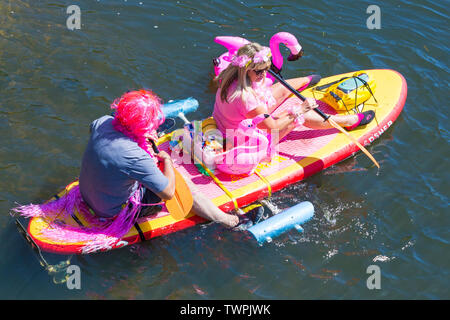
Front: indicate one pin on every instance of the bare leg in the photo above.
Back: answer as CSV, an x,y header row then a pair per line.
x,y
314,121
280,92
205,208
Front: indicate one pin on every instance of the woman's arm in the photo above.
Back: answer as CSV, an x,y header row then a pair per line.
x,y
271,123
278,127
285,119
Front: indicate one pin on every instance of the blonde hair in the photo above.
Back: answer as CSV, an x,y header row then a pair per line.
x,y
232,73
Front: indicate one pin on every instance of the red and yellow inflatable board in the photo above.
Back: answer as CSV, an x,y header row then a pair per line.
x,y
301,153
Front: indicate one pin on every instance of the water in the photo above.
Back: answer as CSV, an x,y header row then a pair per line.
x,y
54,82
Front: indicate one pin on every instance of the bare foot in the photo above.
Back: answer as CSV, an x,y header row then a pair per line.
x,y
230,221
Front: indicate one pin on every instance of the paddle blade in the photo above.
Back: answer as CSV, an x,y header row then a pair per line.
x,y
334,124
181,203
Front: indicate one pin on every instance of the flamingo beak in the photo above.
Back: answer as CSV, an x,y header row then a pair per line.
x,y
295,57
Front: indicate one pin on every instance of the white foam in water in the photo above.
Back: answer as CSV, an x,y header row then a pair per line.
x,y
409,244
382,258
331,253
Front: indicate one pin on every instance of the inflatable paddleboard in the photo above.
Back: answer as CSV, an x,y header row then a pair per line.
x,y
302,153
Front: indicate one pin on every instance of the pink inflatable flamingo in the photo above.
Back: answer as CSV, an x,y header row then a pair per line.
x,y
253,145
234,43
290,42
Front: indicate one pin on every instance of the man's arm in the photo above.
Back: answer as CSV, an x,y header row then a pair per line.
x,y
169,173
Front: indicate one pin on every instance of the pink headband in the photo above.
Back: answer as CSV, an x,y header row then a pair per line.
x,y
243,60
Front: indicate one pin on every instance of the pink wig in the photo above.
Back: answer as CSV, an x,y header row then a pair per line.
x,y
138,113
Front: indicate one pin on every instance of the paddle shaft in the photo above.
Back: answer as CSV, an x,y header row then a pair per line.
x,y
296,93
323,115
155,148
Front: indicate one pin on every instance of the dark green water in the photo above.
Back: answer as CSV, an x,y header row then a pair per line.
x,y
54,82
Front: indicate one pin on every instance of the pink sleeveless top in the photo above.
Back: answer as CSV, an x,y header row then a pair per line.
x,y
229,114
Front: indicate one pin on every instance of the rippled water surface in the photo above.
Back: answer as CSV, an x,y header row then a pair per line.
x,y
54,82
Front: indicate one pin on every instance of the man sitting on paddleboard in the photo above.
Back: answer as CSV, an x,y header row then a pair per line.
x,y
119,162
242,94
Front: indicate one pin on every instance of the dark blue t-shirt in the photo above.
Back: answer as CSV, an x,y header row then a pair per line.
x,y
113,166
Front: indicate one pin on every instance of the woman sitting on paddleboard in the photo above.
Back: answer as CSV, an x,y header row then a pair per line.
x,y
242,95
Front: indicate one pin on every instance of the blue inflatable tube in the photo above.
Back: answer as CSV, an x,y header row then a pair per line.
x,y
282,222
173,108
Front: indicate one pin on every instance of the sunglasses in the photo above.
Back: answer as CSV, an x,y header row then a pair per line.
x,y
259,72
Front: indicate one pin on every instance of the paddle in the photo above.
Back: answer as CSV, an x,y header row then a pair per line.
x,y
168,124
181,203
324,116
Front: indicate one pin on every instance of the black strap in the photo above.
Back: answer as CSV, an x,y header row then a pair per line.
x,y
337,98
367,86
32,243
324,86
74,217
356,91
139,230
